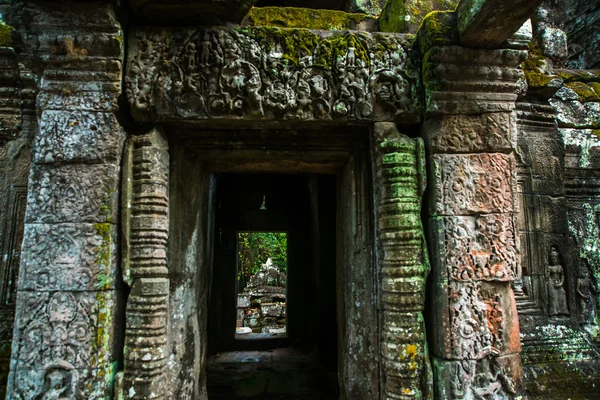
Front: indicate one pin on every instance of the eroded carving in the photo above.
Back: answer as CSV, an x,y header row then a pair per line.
x,y
481,379
258,73
476,322
77,136
557,298
68,257
59,190
585,293
481,248
57,327
478,183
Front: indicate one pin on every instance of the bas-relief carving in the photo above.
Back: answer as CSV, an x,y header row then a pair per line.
x,y
472,133
481,379
585,294
476,323
557,298
481,247
68,257
267,74
473,184
73,193
77,136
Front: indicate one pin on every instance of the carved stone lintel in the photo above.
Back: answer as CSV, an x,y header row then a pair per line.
x,y
145,267
259,74
403,262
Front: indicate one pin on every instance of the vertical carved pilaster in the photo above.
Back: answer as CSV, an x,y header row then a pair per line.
x,y
402,263
147,228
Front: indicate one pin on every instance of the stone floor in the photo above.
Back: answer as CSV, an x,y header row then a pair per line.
x,y
278,374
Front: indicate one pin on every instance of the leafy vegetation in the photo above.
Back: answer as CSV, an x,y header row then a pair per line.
x,y
254,248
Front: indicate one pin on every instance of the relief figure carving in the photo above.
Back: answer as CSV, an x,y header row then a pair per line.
x,y
587,306
557,298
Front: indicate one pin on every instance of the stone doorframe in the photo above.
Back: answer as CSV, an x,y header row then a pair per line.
x,y
400,260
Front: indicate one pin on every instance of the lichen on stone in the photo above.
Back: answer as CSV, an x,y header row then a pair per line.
x,y
293,17
438,29
5,39
405,16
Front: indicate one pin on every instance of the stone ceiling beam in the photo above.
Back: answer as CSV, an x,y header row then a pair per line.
x,y
489,23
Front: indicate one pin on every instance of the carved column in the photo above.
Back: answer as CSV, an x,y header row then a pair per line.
x,y
68,290
146,223
402,263
470,133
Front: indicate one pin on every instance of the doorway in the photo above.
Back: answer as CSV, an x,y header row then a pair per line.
x,y
302,363
316,186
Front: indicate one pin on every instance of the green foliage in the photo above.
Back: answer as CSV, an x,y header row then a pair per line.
x,y
254,248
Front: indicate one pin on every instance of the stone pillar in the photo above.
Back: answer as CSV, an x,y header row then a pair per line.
x,y
146,229
67,295
402,265
470,134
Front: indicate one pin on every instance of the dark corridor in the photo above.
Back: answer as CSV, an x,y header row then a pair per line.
x,y
302,365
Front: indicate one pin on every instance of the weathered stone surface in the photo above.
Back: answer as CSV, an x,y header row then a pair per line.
x,y
61,378
466,134
405,16
498,378
85,318
73,193
371,7
400,179
482,321
472,184
459,80
488,23
146,228
269,74
293,17
477,248
580,21
68,257
78,136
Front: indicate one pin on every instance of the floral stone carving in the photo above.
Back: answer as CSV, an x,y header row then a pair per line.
x,y
267,73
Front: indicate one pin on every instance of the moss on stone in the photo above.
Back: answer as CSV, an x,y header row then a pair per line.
x,y
298,43
292,17
5,39
585,92
406,15
533,73
103,254
438,29
570,75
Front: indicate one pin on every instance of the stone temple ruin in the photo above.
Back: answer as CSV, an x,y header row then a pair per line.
x,y
436,164
261,306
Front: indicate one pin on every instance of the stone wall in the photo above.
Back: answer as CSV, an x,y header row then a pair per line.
x,y
556,298
513,205
261,306
580,20
68,288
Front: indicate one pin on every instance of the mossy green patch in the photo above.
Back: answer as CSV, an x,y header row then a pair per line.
x,y
299,44
533,73
5,39
438,29
570,75
585,92
406,15
103,254
292,17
